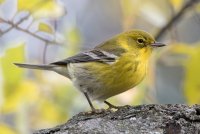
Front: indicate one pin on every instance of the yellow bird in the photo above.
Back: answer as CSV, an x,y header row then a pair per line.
x,y
111,68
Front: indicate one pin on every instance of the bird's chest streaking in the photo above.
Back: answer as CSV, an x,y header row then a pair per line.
x,y
113,79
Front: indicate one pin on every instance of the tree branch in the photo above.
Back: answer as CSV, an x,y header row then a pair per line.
x,y
174,19
18,23
27,31
144,119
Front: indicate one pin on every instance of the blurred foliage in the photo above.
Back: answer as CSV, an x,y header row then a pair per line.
x,y
188,57
129,9
1,1
73,38
46,107
41,8
11,77
23,103
4,129
177,4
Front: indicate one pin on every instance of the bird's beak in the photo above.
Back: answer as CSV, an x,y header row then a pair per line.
x,y
157,44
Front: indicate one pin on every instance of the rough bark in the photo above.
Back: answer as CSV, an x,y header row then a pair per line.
x,y
143,119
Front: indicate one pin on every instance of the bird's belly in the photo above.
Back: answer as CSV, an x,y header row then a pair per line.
x,y
84,78
106,80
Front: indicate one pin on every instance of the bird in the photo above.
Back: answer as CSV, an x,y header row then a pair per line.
x,y
110,68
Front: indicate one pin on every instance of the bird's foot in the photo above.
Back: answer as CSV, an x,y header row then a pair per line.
x,y
111,106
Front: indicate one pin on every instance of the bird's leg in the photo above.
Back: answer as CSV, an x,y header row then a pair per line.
x,y
89,101
111,105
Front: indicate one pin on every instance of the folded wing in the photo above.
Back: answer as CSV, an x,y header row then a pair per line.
x,y
90,56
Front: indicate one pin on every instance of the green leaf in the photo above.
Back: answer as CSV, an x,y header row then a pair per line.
x,y
45,28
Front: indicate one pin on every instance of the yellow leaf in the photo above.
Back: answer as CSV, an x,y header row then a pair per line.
x,y
50,112
41,8
4,129
129,9
11,74
192,81
177,3
73,38
45,28
198,7
27,92
1,1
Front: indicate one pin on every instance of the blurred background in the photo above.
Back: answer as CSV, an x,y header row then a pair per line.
x,y
43,31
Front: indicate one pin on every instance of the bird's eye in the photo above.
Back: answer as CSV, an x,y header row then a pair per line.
x,y
140,41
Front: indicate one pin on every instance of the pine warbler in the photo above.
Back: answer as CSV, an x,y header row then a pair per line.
x,y
112,67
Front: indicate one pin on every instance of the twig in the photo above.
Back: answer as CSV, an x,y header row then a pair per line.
x,y
29,32
173,30
175,18
44,53
16,26
18,23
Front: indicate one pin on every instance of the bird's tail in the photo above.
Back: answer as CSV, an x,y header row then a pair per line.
x,y
30,66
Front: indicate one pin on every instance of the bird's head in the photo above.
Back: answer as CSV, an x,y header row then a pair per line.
x,y
138,42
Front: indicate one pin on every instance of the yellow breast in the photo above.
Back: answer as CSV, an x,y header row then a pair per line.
x,y
123,75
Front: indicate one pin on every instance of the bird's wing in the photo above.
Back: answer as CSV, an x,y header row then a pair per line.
x,y
93,55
